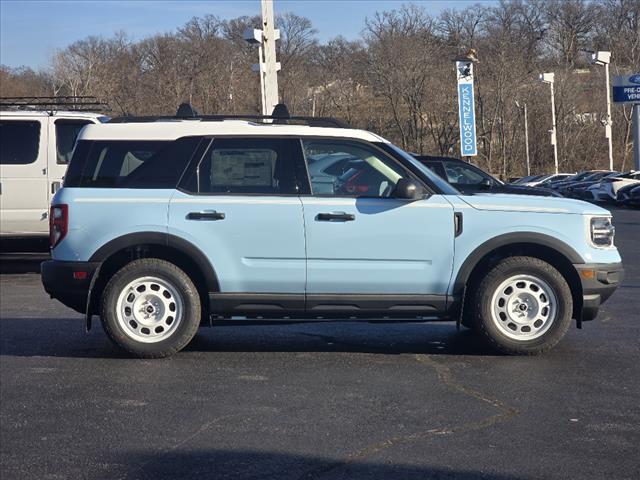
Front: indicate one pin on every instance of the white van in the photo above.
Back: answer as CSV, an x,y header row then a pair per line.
x,y
35,148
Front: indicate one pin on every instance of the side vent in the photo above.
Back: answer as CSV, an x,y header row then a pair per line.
x,y
457,223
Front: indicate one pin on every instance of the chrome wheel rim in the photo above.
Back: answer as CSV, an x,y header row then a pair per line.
x,y
149,309
524,307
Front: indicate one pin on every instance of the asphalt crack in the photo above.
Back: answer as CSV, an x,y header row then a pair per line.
x,y
444,374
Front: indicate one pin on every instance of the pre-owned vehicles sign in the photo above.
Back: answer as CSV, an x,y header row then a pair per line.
x,y
626,88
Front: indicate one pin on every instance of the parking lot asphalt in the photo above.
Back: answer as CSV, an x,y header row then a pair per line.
x,y
319,401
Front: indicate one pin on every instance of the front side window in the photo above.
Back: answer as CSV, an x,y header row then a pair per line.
x,y
252,166
349,168
19,142
66,134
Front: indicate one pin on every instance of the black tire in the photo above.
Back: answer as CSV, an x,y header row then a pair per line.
x,y
181,334
481,306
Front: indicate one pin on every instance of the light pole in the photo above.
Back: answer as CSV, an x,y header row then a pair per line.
x,y
253,36
526,134
549,78
604,58
267,66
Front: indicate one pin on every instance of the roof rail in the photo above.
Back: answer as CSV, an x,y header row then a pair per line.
x,y
54,104
280,116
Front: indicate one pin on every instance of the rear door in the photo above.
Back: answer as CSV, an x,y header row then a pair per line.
x,y
362,240
239,205
23,176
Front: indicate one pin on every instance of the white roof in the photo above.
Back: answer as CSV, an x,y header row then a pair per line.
x,y
44,113
173,129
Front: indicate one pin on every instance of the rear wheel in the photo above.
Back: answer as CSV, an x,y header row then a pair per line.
x,y
151,308
522,306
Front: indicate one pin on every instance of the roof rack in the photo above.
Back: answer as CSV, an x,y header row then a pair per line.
x,y
280,116
54,104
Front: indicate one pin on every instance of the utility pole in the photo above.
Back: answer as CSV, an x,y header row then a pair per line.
x,y
549,78
607,127
269,49
526,135
604,58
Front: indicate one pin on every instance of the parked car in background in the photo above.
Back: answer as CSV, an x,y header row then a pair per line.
x,y
471,179
522,180
575,189
542,179
629,196
560,184
325,170
606,190
546,183
167,224
35,149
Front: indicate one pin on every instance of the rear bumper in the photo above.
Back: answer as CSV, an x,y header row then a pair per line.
x,y
64,282
599,281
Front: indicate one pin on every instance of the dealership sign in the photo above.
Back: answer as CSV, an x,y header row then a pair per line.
x,y
466,109
626,88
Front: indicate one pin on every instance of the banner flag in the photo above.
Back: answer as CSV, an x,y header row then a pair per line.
x,y
466,109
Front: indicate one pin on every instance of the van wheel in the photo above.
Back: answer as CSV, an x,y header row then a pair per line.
x,y
523,306
151,308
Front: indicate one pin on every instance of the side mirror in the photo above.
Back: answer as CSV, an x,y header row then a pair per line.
x,y
407,189
486,184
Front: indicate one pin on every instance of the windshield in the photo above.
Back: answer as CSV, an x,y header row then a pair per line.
x,y
444,187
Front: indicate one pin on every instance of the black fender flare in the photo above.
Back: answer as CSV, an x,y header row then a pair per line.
x,y
510,239
161,239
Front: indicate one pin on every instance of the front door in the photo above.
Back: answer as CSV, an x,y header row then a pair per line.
x,y
363,241
239,205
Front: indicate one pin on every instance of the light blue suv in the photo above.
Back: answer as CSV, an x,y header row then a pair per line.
x,y
166,224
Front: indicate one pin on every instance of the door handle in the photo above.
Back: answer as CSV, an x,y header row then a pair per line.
x,y
336,217
206,215
55,186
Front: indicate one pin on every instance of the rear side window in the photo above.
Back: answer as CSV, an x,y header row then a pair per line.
x,y
253,166
130,164
19,142
462,175
66,134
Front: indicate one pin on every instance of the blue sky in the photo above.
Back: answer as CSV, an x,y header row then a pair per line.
x,y
32,30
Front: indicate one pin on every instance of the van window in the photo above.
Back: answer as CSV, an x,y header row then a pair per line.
x,y
19,142
130,163
66,134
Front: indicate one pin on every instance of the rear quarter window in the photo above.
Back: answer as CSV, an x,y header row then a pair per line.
x,y
19,142
130,164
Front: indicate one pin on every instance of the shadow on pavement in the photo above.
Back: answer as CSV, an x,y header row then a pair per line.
x,y
26,337
242,464
22,264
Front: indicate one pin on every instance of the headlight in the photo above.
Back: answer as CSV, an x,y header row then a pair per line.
x,y
602,232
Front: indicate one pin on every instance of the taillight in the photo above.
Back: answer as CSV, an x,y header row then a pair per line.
x,y
58,223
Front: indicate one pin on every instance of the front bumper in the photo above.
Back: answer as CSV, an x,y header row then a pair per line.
x,y
68,282
599,281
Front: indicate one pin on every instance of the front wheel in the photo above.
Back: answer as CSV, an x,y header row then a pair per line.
x,y
151,308
523,306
